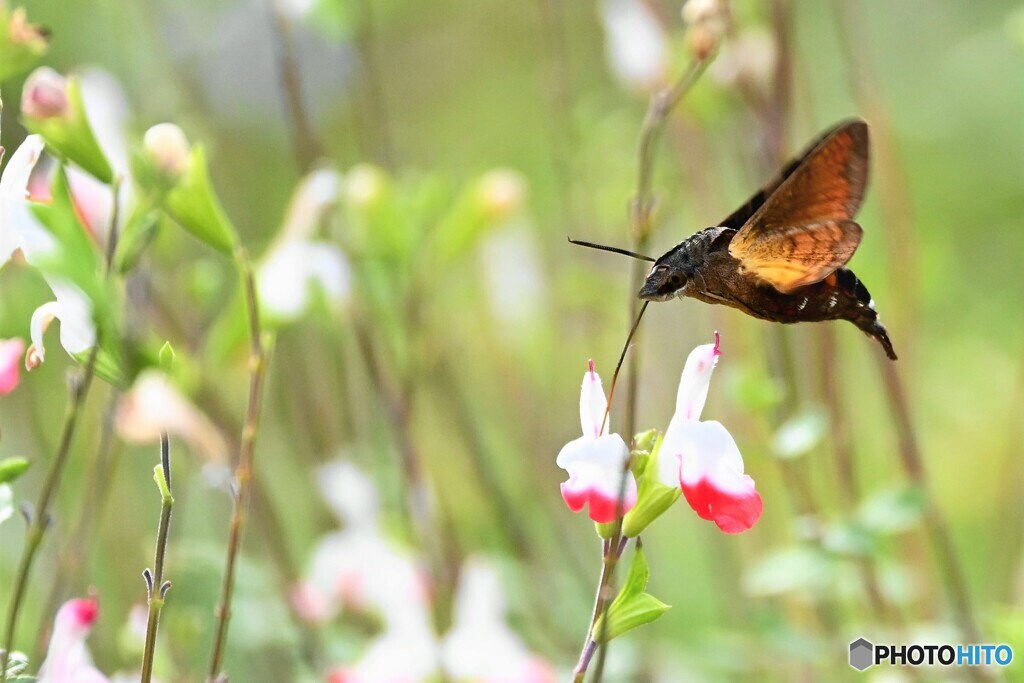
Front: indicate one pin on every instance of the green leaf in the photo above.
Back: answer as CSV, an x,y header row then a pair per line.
x,y
167,357
800,434
632,607
12,468
194,205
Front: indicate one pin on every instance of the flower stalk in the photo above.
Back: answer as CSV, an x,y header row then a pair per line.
x,y
156,587
258,360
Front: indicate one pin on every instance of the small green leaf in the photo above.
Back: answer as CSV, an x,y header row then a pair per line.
x,y
167,357
12,468
194,205
632,607
800,434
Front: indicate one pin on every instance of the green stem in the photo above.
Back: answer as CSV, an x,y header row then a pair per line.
x,y
157,589
244,472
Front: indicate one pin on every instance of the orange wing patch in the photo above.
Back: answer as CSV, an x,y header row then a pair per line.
x,y
801,255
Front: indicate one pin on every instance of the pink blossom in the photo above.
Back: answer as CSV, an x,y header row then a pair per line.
x,y
10,364
596,462
702,457
68,659
45,94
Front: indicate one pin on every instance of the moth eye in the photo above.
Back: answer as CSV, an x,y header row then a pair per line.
x,y
676,281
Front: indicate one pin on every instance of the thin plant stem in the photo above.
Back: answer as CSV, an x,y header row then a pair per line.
x,y
305,143
658,110
951,572
39,520
155,585
258,360
611,551
373,81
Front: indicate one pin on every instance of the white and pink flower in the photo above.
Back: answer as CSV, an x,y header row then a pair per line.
x,y
68,659
10,364
596,462
702,457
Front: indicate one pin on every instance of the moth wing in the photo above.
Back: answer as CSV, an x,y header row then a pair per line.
x,y
792,257
855,130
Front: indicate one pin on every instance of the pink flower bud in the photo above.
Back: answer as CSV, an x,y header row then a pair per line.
x,y
168,149
10,360
45,95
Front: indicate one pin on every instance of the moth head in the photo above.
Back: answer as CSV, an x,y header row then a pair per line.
x,y
664,281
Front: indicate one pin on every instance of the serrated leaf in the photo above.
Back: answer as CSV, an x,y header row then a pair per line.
x,y
12,468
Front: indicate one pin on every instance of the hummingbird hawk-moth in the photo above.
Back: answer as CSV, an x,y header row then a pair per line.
x,y
782,255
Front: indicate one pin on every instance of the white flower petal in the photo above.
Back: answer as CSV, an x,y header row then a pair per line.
x,y
609,451
710,453
593,405
41,319
636,46
15,216
293,272
694,382
77,329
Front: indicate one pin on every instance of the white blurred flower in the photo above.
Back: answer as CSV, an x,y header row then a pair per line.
x,y
77,328
291,276
514,280
400,654
67,658
750,57
481,647
635,44
153,405
18,227
359,567
297,267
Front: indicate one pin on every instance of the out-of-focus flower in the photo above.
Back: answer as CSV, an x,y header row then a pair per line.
x,y
400,654
21,45
291,276
708,21
514,280
702,457
153,406
364,184
168,149
596,462
501,192
480,647
297,267
636,46
749,58
18,227
45,95
359,567
10,364
68,659
77,328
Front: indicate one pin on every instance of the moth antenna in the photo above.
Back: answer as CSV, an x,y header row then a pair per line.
x,y
618,366
614,250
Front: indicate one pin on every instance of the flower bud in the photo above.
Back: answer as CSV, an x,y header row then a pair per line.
x,y
167,147
708,20
364,185
501,193
45,95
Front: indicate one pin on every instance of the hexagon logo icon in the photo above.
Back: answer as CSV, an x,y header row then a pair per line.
x,y
862,654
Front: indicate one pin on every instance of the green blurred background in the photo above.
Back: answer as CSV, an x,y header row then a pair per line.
x,y
439,93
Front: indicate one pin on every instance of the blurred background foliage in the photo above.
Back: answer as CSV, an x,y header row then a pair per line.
x,y
465,344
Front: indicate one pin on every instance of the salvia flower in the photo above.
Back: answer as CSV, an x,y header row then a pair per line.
x,y
481,647
702,457
596,462
168,149
10,363
45,95
68,659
